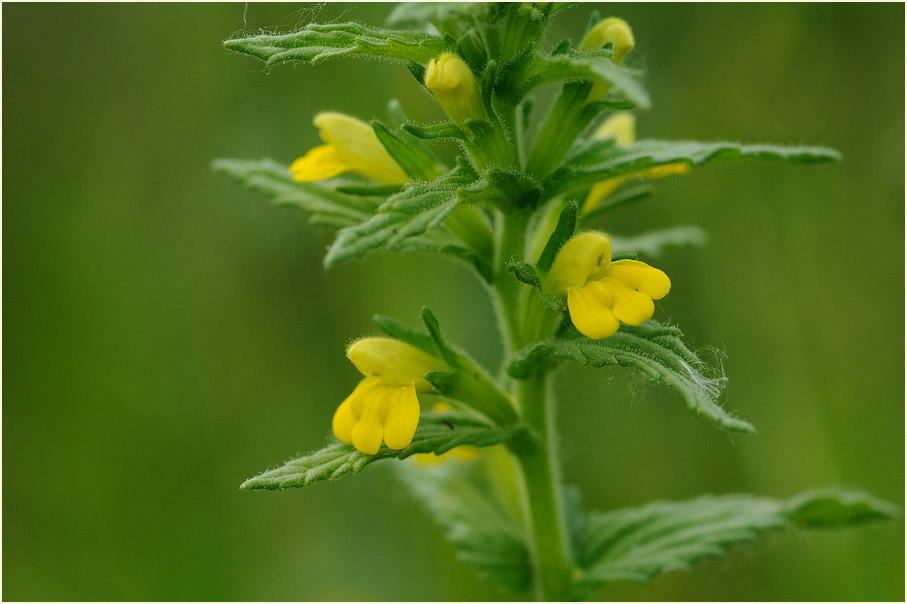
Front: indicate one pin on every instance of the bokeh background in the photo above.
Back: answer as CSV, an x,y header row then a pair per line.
x,y
168,334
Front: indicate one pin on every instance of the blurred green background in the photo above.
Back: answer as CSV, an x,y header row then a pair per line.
x,y
168,334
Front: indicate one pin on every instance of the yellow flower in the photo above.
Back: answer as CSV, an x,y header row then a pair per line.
x,y
622,127
461,453
620,35
600,293
452,83
352,146
383,406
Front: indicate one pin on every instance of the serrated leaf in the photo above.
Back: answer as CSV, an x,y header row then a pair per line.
x,y
324,205
594,66
408,214
437,433
654,349
485,534
597,160
318,42
654,243
637,544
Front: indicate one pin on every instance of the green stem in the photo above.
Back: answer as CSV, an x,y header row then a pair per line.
x,y
537,460
539,465
565,122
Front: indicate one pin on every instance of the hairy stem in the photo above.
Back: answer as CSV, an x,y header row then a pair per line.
x,y
538,461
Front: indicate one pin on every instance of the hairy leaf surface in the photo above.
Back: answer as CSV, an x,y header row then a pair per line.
x,y
654,349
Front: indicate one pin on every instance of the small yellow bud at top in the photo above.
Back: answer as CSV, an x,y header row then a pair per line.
x,y
600,293
451,81
383,407
352,146
612,30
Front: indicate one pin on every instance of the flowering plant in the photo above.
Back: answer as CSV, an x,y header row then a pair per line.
x,y
517,208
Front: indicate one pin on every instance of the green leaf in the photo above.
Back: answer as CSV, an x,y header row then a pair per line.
x,y
437,433
566,227
466,381
413,337
419,207
637,544
440,131
594,66
598,160
323,204
415,160
524,272
503,188
621,198
654,349
318,42
481,528
654,243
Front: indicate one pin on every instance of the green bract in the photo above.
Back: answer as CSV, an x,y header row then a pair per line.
x,y
512,208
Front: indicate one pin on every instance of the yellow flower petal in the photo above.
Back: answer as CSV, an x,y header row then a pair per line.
x,y
612,30
350,410
666,170
402,417
630,306
368,432
590,310
394,361
357,145
451,81
319,163
621,126
585,254
640,276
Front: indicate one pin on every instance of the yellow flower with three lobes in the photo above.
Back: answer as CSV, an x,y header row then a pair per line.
x,y
622,127
451,81
600,293
383,406
352,146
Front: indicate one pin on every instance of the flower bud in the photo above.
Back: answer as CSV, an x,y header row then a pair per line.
x,y
612,30
586,256
453,84
395,362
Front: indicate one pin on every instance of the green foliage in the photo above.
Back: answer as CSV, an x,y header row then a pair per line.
x,y
323,204
594,66
318,42
638,543
415,160
654,243
419,207
654,349
437,433
563,231
597,160
482,529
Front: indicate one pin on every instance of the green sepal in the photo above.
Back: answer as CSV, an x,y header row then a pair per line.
x,y
654,349
323,204
404,333
418,71
440,131
653,243
525,273
466,381
437,433
318,42
505,189
462,500
565,229
637,544
598,160
415,160
406,215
